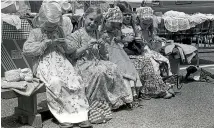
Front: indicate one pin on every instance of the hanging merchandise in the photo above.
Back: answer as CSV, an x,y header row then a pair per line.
x,y
175,21
8,6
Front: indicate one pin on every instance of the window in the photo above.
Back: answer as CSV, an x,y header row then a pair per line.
x,y
155,3
178,2
150,3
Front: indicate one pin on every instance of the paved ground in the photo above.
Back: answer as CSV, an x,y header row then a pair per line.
x,y
193,107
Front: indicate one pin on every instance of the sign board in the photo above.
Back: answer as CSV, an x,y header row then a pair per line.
x,y
16,54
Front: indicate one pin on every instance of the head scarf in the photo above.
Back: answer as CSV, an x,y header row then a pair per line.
x,y
50,11
124,7
66,5
145,12
114,15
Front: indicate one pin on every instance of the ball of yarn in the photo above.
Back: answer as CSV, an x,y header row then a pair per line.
x,y
29,78
26,74
13,75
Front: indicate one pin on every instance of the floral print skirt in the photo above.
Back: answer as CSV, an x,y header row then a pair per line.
x,y
104,83
153,84
65,90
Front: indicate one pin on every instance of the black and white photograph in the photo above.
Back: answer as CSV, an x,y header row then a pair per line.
x,y
107,64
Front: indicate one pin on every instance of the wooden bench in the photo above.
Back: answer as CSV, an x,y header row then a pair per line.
x,y
27,110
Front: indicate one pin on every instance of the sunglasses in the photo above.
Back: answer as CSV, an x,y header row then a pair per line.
x,y
127,14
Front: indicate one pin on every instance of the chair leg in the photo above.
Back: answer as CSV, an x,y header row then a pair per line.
x,y
197,54
175,65
175,68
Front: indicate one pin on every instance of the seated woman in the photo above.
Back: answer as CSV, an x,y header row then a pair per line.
x,y
128,29
103,80
150,61
65,90
112,36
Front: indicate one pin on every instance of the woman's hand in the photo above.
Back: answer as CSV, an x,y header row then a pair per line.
x,y
128,38
139,40
80,51
91,43
60,41
117,39
47,42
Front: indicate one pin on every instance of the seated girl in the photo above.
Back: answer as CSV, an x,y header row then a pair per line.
x,y
128,29
65,90
112,36
102,78
150,61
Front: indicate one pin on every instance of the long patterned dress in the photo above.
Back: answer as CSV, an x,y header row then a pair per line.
x,y
118,56
153,84
147,65
103,80
65,90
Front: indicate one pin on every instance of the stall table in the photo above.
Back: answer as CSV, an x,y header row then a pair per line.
x,y
12,58
11,46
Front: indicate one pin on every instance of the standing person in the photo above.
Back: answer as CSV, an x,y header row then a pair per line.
x,y
65,90
112,35
103,80
150,61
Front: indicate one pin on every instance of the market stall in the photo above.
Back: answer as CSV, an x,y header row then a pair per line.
x,y
15,30
174,24
11,46
186,28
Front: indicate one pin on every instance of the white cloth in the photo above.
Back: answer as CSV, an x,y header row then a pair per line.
x,y
187,52
175,21
12,20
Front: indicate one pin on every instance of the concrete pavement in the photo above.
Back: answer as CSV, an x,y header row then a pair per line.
x,y
192,107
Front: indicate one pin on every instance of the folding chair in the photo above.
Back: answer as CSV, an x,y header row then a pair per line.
x,y
211,33
203,33
162,31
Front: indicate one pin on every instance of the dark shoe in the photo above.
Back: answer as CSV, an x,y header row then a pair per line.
x,y
144,96
133,105
136,102
66,125
85,124
130,106
171,79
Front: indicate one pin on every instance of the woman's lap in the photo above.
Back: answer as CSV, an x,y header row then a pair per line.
x,y
104,82
65,99
152,82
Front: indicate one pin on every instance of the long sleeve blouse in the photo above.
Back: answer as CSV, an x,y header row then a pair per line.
x,y
35,46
